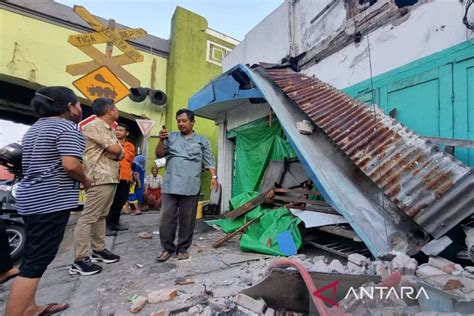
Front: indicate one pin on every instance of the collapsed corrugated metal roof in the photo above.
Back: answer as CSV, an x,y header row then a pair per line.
x,y
411,171
379,175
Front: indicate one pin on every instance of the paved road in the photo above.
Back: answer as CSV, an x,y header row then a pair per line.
x,y
107,293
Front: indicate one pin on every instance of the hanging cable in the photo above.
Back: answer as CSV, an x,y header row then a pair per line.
x,y
374,111
465,19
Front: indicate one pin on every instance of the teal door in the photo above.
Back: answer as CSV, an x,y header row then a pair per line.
x,y
418,102
463,80
434,96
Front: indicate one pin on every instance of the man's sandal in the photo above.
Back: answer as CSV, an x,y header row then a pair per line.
x,y
53,308
164,255
182,256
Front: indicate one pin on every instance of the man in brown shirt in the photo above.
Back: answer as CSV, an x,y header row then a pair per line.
x,y
101,161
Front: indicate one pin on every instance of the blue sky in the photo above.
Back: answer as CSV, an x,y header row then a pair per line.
x,y
231,17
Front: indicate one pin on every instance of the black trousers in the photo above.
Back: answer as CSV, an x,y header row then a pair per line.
x,y
121,196
5,260
178,210
44,233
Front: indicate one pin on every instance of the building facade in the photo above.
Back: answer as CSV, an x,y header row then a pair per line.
x,y
36,52
414,58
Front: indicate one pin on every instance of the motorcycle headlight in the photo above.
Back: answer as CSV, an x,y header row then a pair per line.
x,y
14,189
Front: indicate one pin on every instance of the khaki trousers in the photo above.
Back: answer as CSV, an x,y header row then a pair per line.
x,y
90,228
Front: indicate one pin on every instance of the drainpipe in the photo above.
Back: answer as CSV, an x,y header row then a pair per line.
x,y
324,10
292,27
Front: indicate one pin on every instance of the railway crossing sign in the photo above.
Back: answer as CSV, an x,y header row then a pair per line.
x,y
111,36
101,83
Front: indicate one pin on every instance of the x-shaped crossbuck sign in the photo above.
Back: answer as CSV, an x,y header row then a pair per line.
x,y
105,34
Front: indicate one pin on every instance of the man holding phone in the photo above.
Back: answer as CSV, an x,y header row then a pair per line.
x,y
186,153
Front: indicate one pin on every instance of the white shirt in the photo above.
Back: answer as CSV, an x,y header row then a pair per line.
x,y
153,182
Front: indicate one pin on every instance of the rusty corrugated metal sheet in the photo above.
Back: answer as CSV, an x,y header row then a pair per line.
x,y
412,172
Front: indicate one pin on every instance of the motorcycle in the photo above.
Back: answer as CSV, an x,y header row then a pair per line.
x,y
10,157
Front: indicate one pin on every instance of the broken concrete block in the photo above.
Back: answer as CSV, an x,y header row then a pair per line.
x,y
380,269
354,268
469,269
247,302
301,257
195,310
445,282
161,296
458,270
404,264
318,258
443,264
426,270
320,266
436,246
145,235
388,256
336,266
358,259
467,283
304,127
452,284
269,312
138,304
163,312
470,241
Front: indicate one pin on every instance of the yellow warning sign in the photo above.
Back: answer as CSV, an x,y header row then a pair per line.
x,y
101,83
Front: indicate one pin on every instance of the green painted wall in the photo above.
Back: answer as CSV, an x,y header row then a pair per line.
x,y
189,70
434,96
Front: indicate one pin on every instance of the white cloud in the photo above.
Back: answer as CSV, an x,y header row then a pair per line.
x,y
11,132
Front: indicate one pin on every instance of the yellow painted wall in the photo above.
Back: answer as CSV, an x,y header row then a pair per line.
x,y
43,46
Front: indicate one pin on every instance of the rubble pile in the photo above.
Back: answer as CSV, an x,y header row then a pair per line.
x,y
437,275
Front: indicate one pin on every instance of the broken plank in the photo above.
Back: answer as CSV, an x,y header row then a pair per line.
x,y
298,200
227,237
247,207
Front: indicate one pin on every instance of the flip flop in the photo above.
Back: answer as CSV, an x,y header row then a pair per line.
x,y
164,255
11,276
53,308
182,256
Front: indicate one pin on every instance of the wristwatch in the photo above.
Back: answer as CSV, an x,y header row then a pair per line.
x,y
214,177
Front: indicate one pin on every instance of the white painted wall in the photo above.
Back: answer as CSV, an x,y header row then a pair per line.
x,y
310,34
266,42
431,26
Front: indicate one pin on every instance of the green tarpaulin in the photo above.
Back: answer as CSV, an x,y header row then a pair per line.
x,y
255,145
261,236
